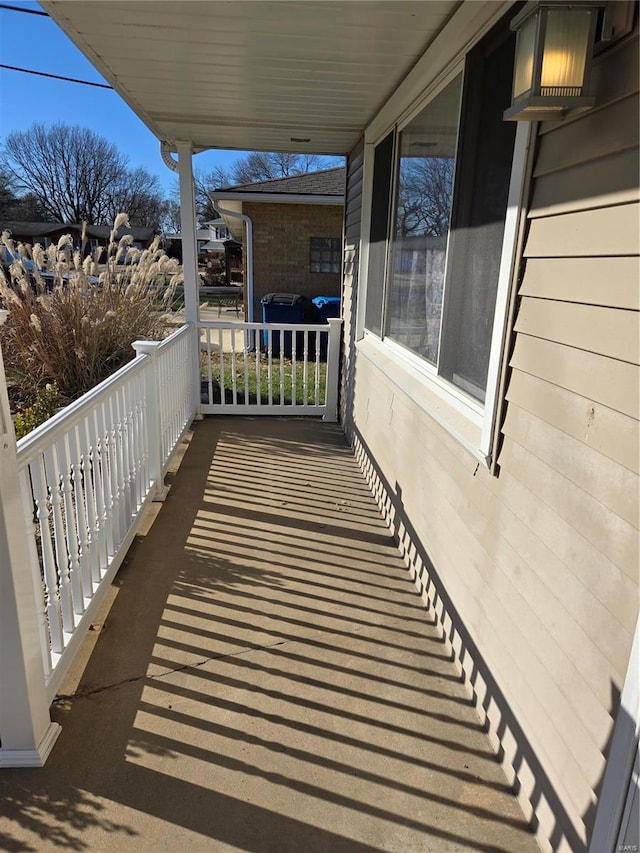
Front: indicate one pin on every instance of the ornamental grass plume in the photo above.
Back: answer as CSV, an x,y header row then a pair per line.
x,y
72,330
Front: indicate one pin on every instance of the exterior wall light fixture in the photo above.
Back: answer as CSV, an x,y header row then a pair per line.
x,y
553,59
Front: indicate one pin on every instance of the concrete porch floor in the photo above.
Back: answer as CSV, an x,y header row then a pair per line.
x,y
266,679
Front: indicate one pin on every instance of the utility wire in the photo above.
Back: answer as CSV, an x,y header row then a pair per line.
x,y
56,76
22,9
11,8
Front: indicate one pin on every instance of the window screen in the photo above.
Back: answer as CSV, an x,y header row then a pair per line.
x,y
379,233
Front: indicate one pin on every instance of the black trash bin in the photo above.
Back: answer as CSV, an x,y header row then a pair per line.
x,y
282,308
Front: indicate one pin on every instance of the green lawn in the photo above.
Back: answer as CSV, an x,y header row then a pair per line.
x,y
283,386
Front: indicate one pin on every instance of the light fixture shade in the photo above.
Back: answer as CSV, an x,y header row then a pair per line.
x,y
553,59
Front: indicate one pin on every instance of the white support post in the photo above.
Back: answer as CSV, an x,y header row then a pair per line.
x,y
154,426
26,731
190,253
333,369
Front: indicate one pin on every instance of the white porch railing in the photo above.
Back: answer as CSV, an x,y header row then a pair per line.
x,y
73,491
270,368
85,476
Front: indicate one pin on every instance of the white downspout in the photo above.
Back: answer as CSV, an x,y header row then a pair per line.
x,y
249,224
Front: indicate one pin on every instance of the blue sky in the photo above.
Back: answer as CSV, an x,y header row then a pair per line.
x,y
36,43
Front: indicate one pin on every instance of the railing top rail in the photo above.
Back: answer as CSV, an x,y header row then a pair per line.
x,y
48,432
232,324
175,336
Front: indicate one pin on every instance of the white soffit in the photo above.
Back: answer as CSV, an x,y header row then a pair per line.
x,y
256,74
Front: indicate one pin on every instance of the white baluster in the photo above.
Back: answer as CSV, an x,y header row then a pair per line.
x,y
234,370
115,460
54,480
245,356
53,604
79,488
37,575
223,396
110,468
92,544
209,369
164,403
281,380
305,377
122,466
100,450
270,364
294,356
66,463
258,370
127,464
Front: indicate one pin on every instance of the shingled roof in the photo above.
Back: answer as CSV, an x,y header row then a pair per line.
x,y
325,182
34,230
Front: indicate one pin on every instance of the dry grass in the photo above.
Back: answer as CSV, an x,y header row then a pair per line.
x,y
73,330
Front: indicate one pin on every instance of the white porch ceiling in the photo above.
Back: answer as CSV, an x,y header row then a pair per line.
x,y
254,74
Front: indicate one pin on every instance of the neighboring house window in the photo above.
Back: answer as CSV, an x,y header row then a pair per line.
x,y
325,254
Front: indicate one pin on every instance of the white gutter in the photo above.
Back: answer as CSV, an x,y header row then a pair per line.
x,y
243,216
284,198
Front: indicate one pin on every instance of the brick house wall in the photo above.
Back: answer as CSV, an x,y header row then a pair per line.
x,y
281,249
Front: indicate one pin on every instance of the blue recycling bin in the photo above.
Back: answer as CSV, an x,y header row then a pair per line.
x,y
282,308
325,307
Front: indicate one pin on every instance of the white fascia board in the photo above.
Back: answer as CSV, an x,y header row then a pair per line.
x,y
470,22
283,198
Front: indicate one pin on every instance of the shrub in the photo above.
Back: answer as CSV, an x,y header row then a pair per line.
x,y
47,401
78,329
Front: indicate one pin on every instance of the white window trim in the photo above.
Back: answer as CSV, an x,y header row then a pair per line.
x,y
442,400
513,226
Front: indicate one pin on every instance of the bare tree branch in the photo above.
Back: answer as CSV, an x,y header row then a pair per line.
x,y
77,175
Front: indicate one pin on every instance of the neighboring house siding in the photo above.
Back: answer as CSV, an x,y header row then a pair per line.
x,y
281,261
534,573
352,217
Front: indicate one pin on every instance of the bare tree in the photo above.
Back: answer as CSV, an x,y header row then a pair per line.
x,y
254,167
268,166
15,207
77,175
424,196
205,182
138,193
170,216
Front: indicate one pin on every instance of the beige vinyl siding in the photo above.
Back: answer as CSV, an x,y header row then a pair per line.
x,y
584,419
607,331
579,371
540,563
556,192
611,282
571,426
604,232
352,217
532,616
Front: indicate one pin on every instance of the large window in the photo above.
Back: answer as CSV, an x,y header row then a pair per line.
x,y
435,246
426,161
